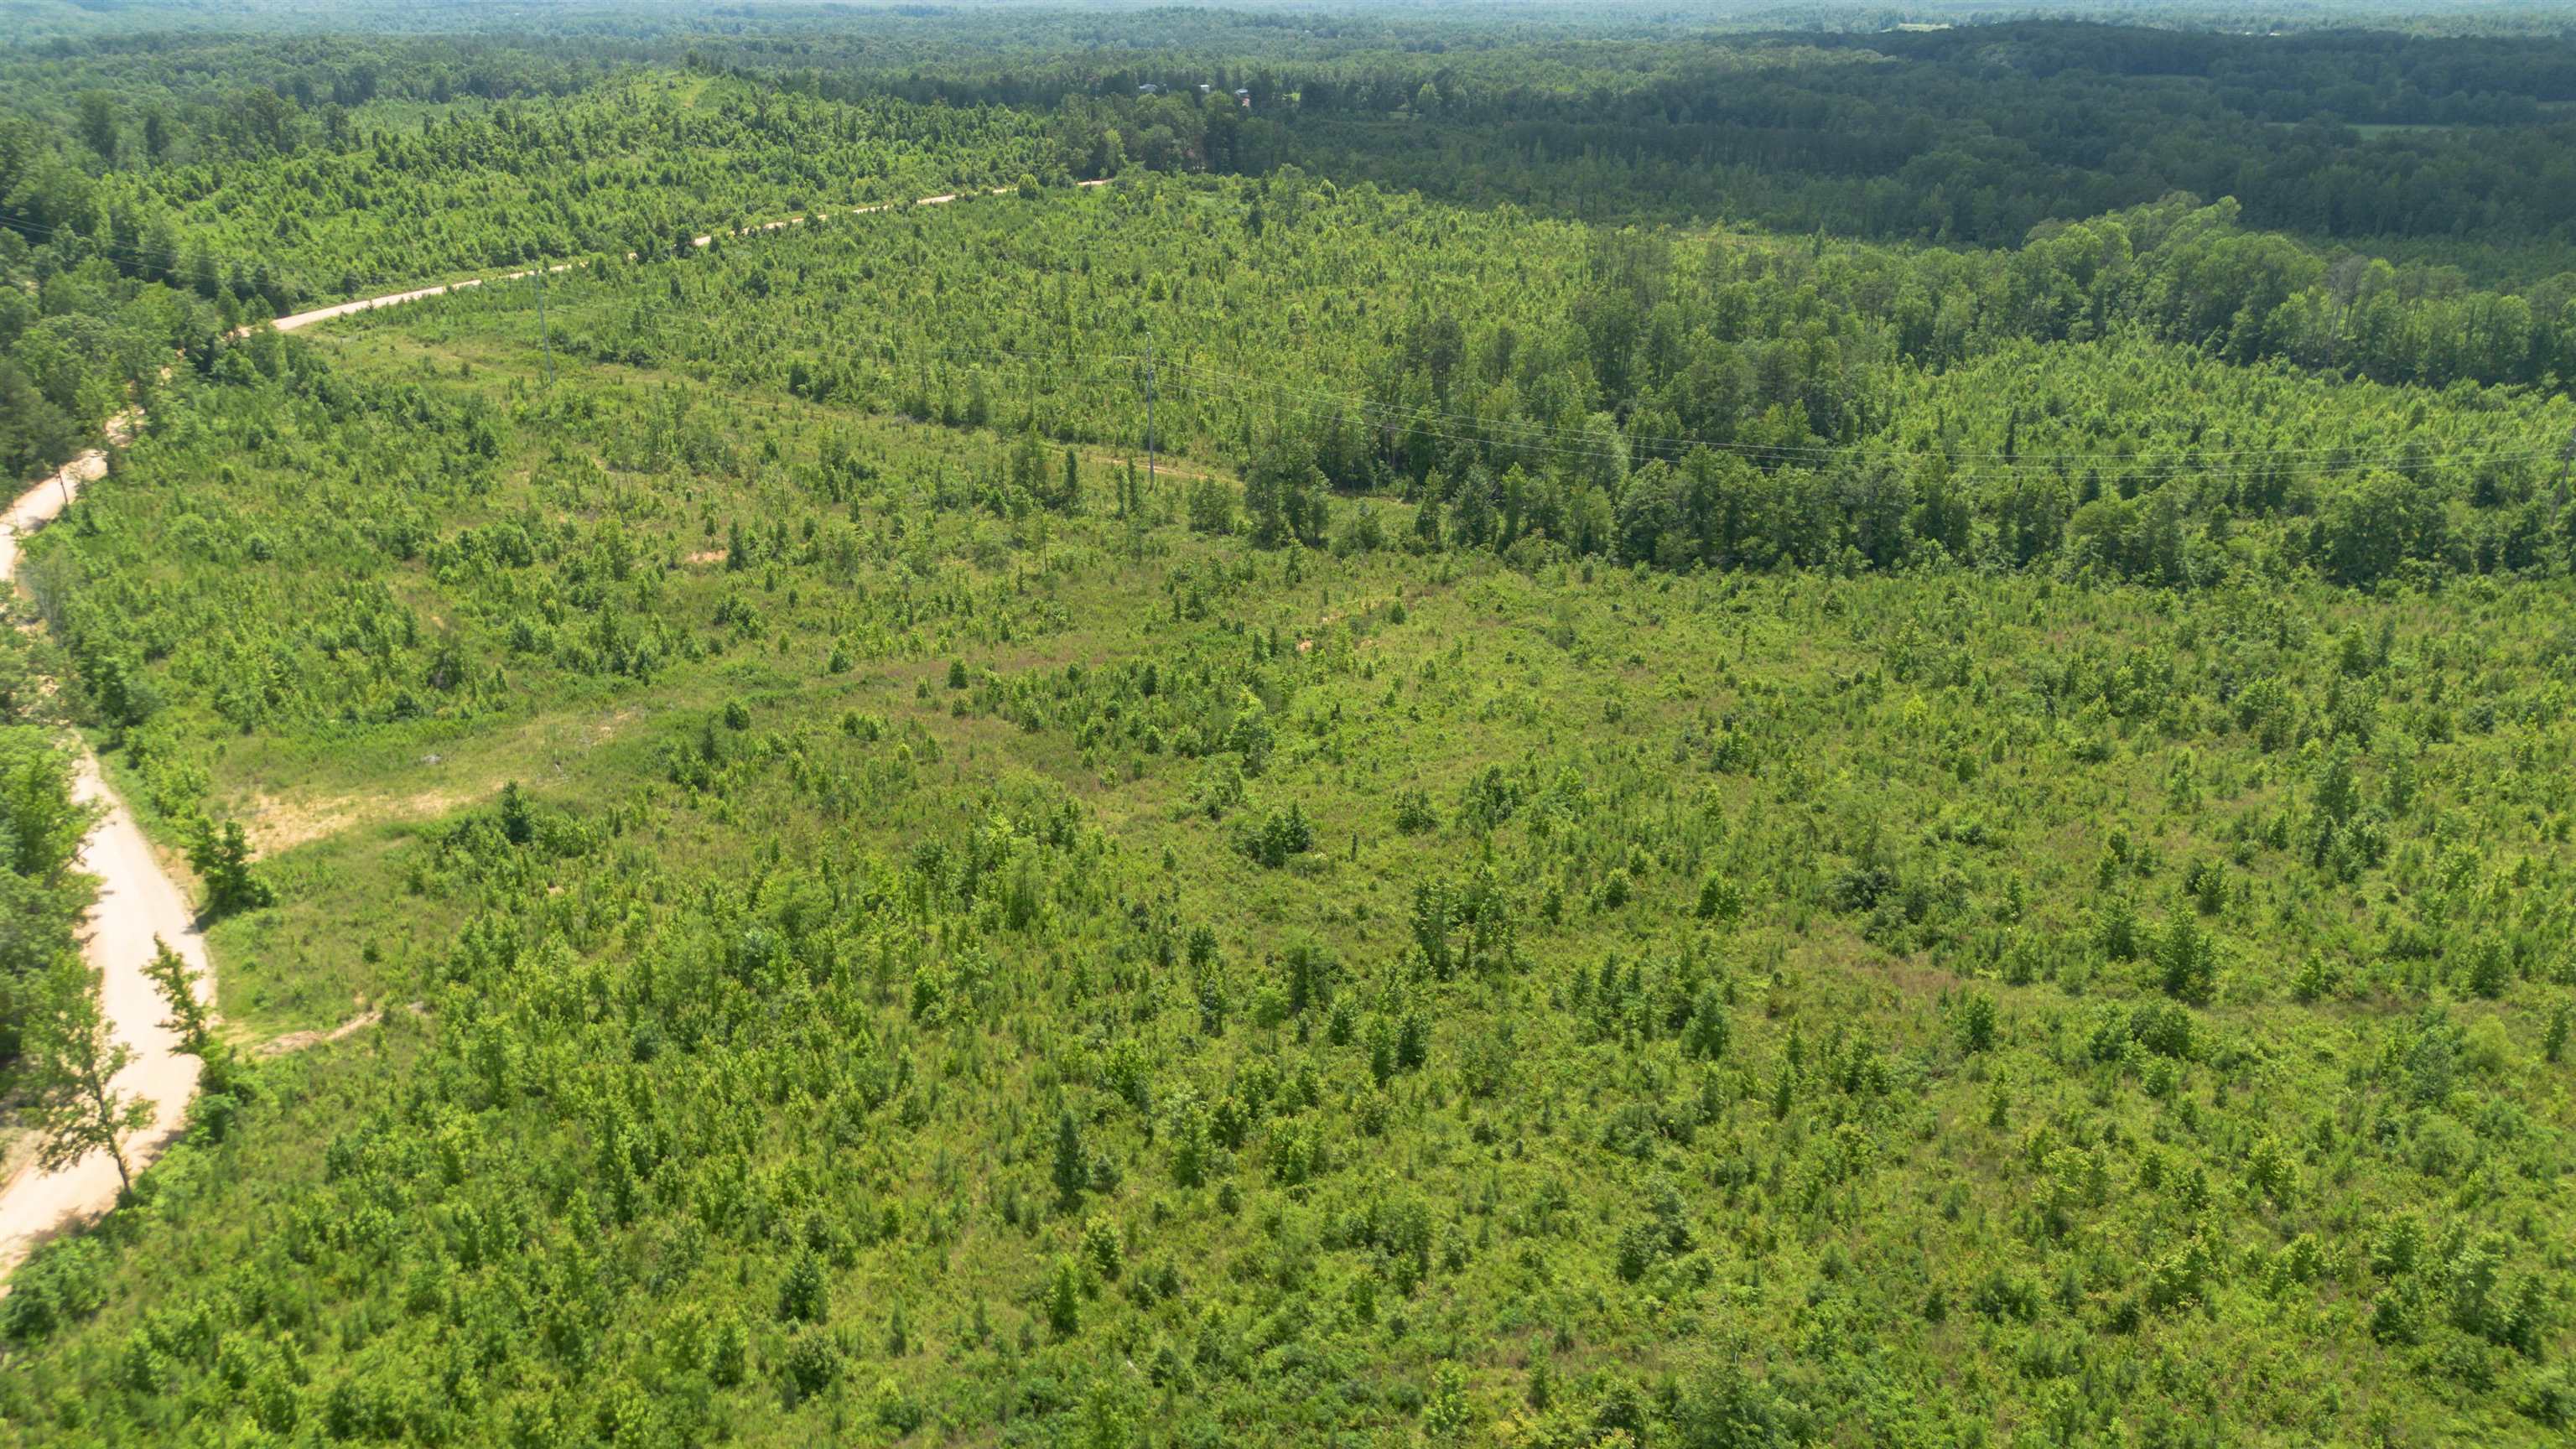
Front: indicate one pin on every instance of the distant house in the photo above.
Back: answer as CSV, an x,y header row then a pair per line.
x,y
1243,98
1149,89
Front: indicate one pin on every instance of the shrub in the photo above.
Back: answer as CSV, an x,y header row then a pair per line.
x,y
813,1360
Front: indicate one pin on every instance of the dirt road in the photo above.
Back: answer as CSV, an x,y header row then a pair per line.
x,y
136,901
293,321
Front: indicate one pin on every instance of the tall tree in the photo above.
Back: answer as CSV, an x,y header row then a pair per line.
x,y
97,122
191,1018
71,1066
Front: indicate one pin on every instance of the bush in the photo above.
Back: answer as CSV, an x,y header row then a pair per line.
x,y
1976,1022
812,1362
61,1282
221,856
1282,836
896,1409
804,1297
1720,899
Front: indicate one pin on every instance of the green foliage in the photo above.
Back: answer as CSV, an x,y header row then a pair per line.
x,y
42,895
1976,1022
804,1296
61,1283
221,857
1917,839
69,1073
1064,1300
191,1022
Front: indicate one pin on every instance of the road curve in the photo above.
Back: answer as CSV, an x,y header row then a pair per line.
x,y
137,899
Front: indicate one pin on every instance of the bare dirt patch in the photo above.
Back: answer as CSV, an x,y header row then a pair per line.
x,y
278,823
296,1041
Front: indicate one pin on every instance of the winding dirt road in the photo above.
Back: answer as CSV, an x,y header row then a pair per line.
x,y
137,898
137,901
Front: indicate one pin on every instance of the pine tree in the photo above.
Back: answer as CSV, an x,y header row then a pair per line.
x,y
1426,524
804,1297
1072,1167
1064,1299
1977,1023
2186,961
518,822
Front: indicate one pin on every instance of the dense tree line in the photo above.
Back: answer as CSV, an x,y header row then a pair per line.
x,y
1969,135
1965,136
1726,401
80,341
43,893
110,273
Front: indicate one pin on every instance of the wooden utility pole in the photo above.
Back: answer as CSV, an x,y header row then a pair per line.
x,y
1149,410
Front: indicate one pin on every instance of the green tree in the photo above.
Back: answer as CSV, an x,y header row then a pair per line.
x,y
1064,1299
1976,1022
72,1059
1211,507
1072,1172
518,821
192,1017
41,822
2186,961
221,856
1283,496
804,1296
97,123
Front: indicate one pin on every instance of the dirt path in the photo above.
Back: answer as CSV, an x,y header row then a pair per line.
x,y
296,320
296,1041
137,900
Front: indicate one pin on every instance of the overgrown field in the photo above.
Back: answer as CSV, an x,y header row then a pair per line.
x,y
925,934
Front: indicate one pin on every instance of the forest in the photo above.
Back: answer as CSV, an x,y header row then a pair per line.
x,y
1534,744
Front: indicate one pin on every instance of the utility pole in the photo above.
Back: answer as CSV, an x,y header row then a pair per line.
x,y
1149,410
545,333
